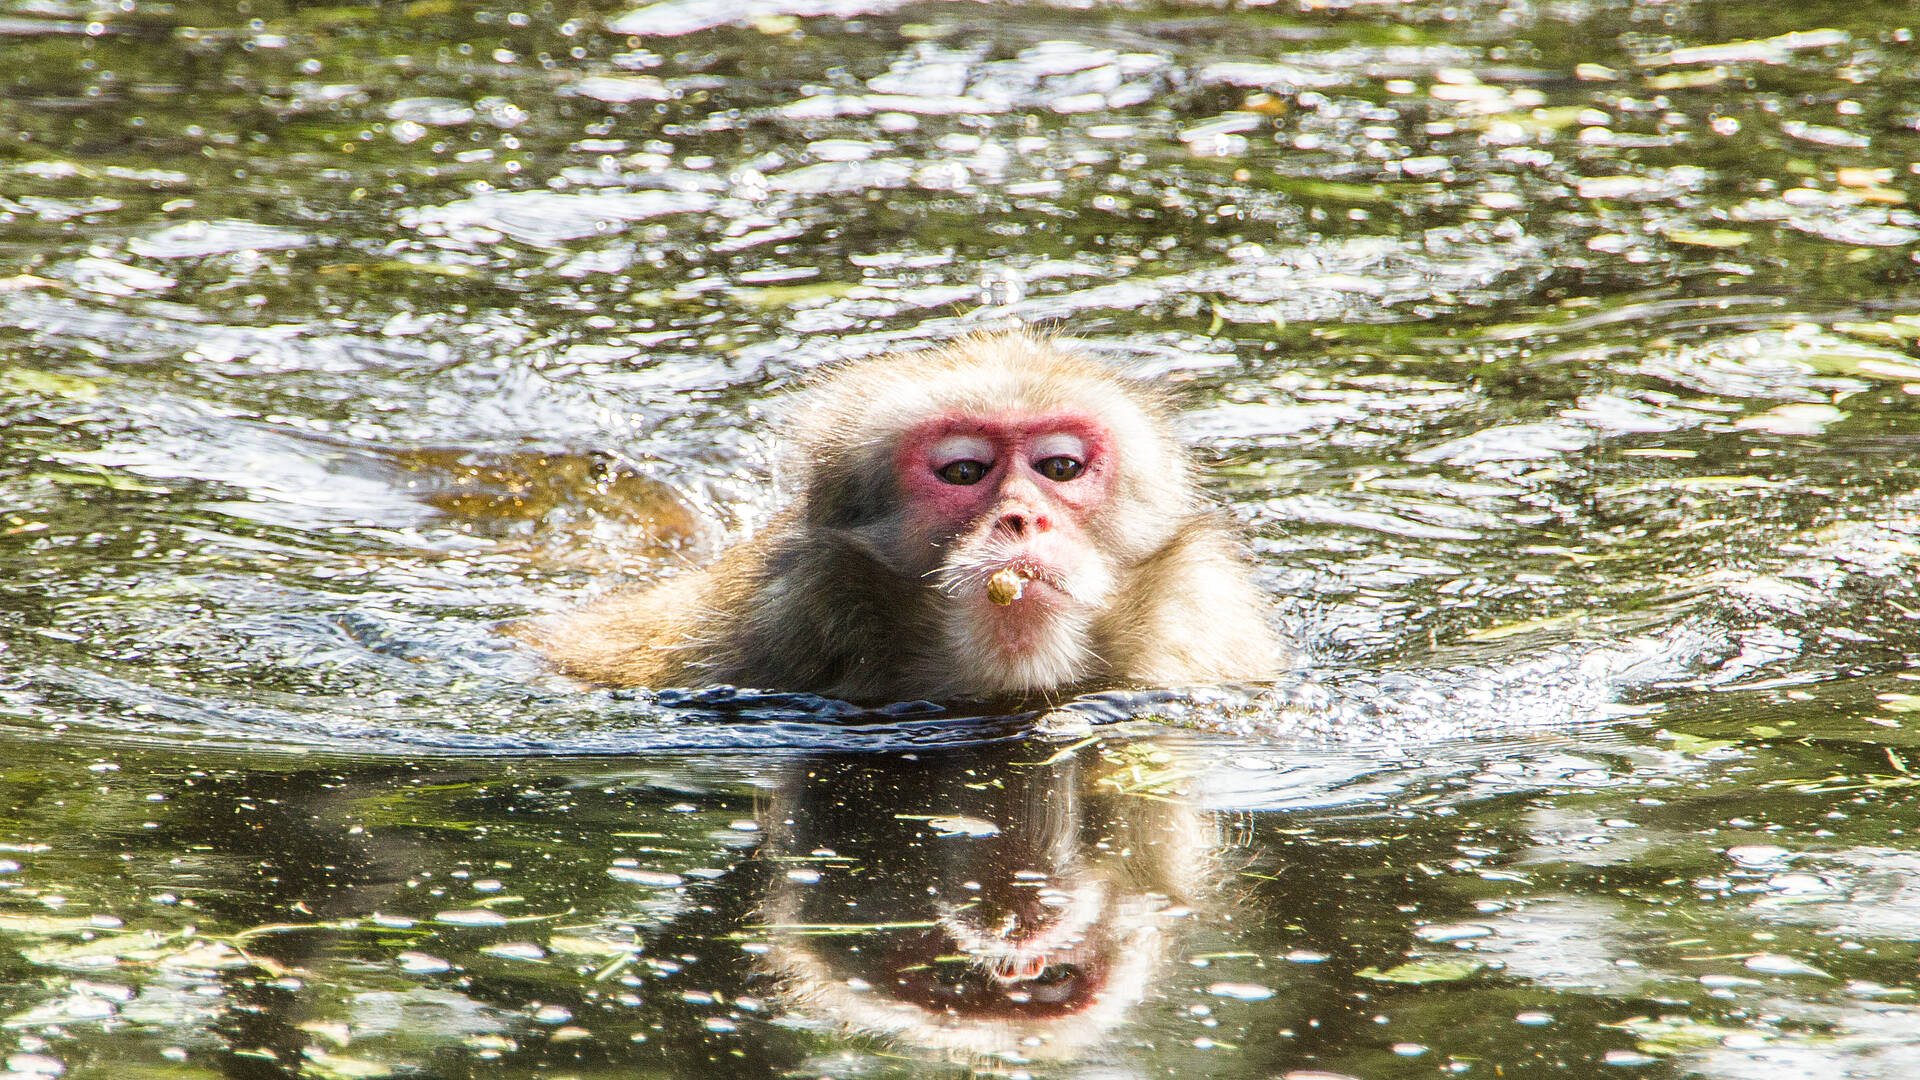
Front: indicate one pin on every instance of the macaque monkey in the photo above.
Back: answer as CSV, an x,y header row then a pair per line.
x,y
994,518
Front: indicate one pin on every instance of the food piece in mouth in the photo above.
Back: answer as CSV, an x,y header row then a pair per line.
x,y
1006,586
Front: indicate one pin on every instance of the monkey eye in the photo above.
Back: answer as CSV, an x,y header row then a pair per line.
x,y
963,472
1060,469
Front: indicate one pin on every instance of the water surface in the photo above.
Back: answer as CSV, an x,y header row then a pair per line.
x,y
1534,346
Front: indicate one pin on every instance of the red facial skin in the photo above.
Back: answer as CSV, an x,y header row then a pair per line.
x,y
1031,522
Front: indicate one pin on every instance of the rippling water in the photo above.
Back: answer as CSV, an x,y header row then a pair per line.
x,y
1559,360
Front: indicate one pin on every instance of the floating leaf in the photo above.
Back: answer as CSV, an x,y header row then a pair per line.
x,y
1693,745
1527,626
112,481
1773,50
1542,121
1900,330
1333,191
1688,80
341,1067
1431,970
954,824
50,383
47,924
1858,177
205,955
1674,1034
782,296
1709,238
100,952
1616,187
586,946
1837,356
1717,484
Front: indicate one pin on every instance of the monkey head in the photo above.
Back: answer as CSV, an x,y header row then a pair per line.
x,y
1017,482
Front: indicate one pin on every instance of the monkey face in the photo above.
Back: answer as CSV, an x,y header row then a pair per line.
x,y
1004,508
1022,490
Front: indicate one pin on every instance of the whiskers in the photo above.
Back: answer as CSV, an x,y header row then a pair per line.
x,y
969,573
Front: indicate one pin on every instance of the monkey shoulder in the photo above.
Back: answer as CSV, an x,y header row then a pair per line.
x,y
788,609
1193,614
672,632
644,636
830,616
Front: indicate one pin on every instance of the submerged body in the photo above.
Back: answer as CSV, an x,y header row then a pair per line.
x,y
998,517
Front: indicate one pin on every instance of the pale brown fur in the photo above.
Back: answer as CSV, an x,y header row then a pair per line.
x,y
828,600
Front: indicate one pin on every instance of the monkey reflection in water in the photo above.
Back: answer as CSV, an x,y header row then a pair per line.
x,y
1025,918
996,518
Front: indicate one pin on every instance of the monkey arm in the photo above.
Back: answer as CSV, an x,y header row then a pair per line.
x,y
684,631
651,636
817,614
824,616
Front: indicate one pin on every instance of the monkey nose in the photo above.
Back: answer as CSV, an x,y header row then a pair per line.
x,y
1017,522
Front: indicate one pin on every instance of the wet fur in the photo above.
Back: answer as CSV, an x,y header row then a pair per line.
x,y
826,599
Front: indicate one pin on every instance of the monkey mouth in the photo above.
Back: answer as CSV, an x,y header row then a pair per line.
x,y
1032,573
1030,939
1005,582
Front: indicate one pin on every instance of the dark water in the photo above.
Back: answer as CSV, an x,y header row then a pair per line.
x,y
1528,342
